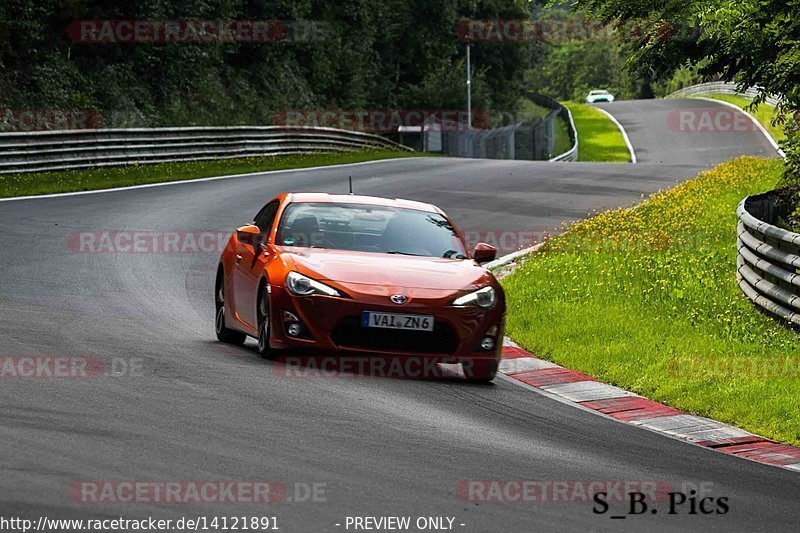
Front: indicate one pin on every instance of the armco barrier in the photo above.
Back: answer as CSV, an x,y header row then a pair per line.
x,y
561,111
768,258
572,153
77,149
721,87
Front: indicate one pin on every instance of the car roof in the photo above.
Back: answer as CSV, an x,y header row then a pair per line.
x,y
322,197
599,91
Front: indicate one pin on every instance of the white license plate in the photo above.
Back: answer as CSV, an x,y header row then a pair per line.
x,y
372,319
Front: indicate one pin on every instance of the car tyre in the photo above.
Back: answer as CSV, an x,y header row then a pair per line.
x,y
480,370
263,326
224,334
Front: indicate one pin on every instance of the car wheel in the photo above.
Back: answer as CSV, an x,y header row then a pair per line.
x,y
480,370
224,334
263,326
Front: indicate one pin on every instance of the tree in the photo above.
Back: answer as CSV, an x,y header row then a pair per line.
x,y
569,70
370,54
754,43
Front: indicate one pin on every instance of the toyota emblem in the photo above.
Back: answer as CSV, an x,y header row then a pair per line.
x,y
399,299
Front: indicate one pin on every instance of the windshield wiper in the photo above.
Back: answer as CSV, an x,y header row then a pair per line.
x,y
395,252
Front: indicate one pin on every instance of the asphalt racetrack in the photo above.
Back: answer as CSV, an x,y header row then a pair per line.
x,y
199,410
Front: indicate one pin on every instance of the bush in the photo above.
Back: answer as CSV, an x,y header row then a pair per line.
x,y
791,146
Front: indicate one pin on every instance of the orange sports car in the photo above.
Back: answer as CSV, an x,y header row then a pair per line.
x,y
360,275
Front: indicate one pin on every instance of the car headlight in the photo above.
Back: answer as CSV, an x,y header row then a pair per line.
x,y
301,285
485,298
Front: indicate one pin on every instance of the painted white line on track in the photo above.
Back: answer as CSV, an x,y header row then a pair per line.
x,y
755,121
201,180
624,133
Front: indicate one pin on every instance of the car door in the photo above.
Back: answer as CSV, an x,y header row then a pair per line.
x,y
250,261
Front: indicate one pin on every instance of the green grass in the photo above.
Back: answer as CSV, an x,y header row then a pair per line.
x,y
764,114
104,178
599,138
629,294
530,110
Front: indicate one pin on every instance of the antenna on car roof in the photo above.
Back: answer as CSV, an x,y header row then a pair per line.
x,y
350,179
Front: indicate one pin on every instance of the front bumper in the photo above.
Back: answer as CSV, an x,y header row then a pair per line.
x,y
334,325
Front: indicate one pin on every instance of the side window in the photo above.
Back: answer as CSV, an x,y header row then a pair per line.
x,y
266,217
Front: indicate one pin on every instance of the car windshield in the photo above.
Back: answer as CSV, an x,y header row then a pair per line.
x,y
369,228
599,92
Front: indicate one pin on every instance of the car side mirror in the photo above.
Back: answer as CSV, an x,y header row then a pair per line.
x,y
484,253
248,234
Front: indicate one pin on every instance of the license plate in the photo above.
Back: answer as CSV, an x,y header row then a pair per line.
x,y
372,319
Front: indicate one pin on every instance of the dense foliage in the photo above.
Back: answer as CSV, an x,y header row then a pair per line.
x,y
364,54
755,43
569,70
582,52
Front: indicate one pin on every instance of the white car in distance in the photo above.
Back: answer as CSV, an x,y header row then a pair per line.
x,y
599,96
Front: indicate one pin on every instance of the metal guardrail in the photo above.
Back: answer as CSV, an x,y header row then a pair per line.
x,y
721,87
561,111
572,153
768,259
80,149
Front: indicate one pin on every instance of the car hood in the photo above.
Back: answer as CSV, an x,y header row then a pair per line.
x,y
390,271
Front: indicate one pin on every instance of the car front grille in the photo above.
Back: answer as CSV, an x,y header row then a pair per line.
x,y
350,334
